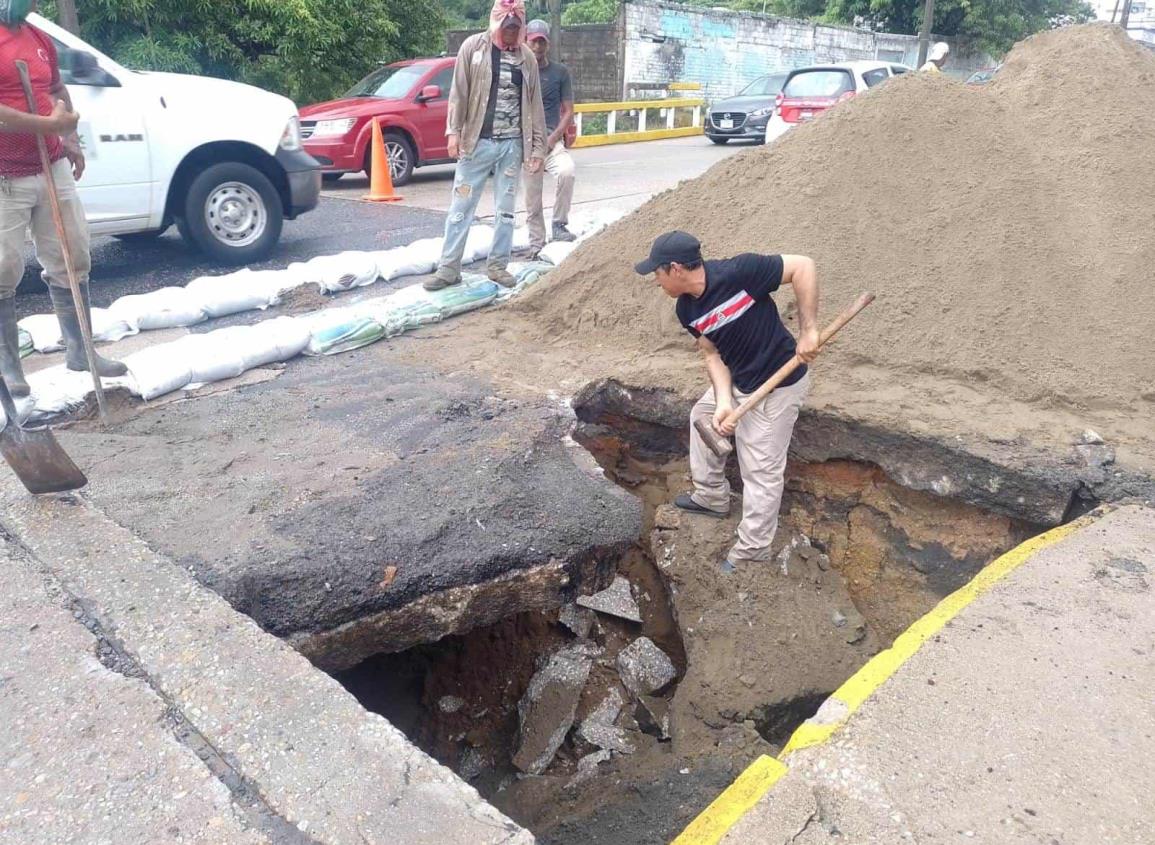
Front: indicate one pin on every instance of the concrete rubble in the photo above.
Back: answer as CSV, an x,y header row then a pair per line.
x,y
644,668
547,710
616,600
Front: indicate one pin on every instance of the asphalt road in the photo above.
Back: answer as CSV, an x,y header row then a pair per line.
x,y
622,176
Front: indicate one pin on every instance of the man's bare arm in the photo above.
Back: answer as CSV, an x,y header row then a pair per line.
x,y
801,273
564,119
61,122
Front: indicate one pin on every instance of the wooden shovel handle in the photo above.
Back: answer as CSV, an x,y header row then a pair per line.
x,y
794,363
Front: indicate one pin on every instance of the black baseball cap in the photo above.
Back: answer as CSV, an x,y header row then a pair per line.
x,y
671,248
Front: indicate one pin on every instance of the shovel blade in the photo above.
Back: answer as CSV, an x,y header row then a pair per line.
x,y
39,461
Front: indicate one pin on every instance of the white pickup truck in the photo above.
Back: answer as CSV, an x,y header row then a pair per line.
x,y
220,159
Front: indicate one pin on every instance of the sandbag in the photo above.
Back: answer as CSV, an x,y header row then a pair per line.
x,y
107,327
343,271
477,243
219,296
273,341
26,345
45,332
211,357
557,251
166,308
526,274
338,330
414,260
158,370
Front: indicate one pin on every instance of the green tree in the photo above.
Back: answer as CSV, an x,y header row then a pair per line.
x,y
306,49
993,25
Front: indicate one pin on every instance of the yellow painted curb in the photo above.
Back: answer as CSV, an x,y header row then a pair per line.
x,y
633,137
638,105
712,824
716,820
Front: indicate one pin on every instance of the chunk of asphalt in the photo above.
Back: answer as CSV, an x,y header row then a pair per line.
x,y
579,620
644,668
653,716
616,600
599,728
546,712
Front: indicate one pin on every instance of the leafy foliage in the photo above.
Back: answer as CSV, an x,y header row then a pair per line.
x,y
307,49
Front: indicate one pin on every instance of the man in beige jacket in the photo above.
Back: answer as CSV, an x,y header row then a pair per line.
x,y
496,124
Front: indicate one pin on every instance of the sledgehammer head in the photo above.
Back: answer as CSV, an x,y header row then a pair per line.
x,y
719,445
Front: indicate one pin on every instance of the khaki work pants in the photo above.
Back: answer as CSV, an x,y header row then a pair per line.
x,y
560,165
24,203
763,440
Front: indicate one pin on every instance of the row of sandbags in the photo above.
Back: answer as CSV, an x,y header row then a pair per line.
x,y
209,297
198,359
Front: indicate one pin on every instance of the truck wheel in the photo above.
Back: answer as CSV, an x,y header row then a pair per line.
x,y
402,159
232,213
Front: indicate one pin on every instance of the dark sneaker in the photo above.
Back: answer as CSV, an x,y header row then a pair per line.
x,y
561,233
687,503
502,276
443,278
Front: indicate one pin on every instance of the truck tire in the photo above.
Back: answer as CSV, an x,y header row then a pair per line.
x,y
232,213
402,159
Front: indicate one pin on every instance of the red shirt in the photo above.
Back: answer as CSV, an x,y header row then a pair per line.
x,y
18,154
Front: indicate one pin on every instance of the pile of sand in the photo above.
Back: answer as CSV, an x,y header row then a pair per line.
x,y
1008,231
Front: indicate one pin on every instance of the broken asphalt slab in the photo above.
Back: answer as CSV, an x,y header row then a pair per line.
x,y
356,505
193,725
1013,479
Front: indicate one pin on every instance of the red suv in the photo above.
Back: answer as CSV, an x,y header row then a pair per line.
x,y
409,99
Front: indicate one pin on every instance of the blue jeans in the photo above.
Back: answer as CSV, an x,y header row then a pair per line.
x,y
502,160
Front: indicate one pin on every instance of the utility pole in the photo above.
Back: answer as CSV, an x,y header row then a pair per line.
x,y
68,17
1126,19
555,26
1115,12
924,34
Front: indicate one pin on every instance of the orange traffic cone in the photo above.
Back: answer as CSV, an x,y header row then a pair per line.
x,y
381,179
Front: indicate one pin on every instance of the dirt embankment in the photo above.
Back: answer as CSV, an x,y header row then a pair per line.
x,y
1006,229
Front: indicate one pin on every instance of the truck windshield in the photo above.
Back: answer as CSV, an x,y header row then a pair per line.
x,y
389,83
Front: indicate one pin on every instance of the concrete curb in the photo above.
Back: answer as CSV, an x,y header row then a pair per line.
x,y
763,774
281,731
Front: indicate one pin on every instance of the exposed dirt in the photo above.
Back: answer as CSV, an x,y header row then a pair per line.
x,y
857,559
1005,228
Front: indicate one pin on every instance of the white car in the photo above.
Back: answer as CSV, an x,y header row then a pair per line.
x,y
222,160
809,91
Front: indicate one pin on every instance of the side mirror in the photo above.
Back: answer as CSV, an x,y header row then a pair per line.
x,y
83,68
429,92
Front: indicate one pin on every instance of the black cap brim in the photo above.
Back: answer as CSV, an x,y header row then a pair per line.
x,y
644,268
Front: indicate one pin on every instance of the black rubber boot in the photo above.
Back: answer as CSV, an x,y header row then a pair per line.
x,y
73,341
562,233
10,366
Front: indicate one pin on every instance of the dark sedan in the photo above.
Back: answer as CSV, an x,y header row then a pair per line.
x,y
744,115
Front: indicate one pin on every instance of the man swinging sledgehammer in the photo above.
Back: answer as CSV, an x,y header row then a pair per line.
x,y
726,305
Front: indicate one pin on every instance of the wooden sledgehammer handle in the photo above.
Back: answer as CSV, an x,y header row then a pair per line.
x,y
720,445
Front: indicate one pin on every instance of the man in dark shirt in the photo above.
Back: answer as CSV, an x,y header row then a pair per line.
x,y
726,305
557,98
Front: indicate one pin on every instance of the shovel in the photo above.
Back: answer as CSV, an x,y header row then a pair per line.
x,y
34,455
82,313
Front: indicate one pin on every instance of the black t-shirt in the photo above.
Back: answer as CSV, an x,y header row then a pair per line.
x,y
556,88
737,315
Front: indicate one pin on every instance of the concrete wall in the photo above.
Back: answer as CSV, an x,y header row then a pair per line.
x,y
591,51
725,50
654,43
